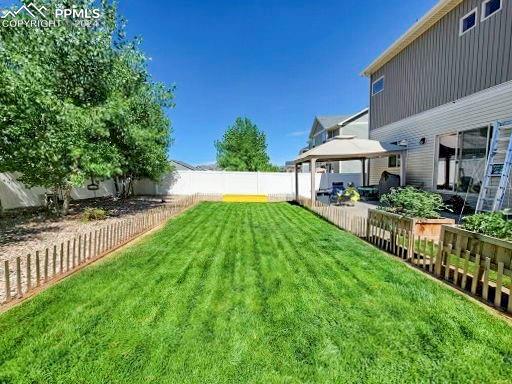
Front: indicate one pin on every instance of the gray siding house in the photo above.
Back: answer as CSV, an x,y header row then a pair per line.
x,y
325,128
438,88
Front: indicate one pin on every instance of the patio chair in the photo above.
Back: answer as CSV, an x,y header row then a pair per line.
x,y
337,188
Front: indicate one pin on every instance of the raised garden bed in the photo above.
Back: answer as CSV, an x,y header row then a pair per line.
x,y
486,246
424,228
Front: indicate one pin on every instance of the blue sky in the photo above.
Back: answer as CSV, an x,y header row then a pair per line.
x,y
278,62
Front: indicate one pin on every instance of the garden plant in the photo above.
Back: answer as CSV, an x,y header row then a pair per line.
x,y
493,224
412,202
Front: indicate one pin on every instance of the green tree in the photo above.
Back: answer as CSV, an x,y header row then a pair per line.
x,y
139,128
243,148
66,91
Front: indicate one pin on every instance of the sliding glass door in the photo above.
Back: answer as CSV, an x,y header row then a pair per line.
x,y
461,160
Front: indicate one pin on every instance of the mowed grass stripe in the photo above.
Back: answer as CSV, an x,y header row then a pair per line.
x,y
251,293
384,309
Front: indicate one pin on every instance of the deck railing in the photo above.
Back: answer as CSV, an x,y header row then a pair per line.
x,y
452,261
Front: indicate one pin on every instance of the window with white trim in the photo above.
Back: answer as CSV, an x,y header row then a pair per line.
x,y
378,86
468,22
393,161
490,7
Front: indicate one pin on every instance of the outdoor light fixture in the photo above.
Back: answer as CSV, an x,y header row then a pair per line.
x,y
423,140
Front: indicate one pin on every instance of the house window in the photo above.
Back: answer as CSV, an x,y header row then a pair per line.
x,y
468,22
461,160
393,161
378,86
490,7
333,133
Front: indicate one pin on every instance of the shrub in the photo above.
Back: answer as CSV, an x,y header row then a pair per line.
x,y
493,224
93,214
412,202
350,195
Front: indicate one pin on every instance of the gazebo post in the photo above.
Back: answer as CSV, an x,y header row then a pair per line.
x,y
363,173
313,180
403,169
296,182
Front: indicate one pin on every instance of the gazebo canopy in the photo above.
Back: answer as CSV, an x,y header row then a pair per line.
x,y
343,148
349,148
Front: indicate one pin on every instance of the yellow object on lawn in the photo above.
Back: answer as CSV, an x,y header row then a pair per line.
x,y
245,198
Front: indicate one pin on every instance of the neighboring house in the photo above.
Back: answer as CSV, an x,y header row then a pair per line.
x,y
289,166
208,167
438,88
182,166
327,127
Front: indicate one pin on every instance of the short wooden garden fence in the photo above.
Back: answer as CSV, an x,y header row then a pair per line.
x,y
466,263
24,275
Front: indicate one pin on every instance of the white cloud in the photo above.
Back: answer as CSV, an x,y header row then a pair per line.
x,y
297,133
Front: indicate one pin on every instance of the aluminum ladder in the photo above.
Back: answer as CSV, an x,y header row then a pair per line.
x,y
497,172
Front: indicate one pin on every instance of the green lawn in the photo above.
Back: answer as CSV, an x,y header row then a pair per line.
x,y
262,293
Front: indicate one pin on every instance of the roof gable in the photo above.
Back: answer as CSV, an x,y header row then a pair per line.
x,y
440,10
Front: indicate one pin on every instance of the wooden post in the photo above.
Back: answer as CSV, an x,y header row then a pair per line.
x,y
431,256
54,260
84,256
465,269
485,289
74,253
73,261
19,291
447,263
79,253
96,242
509,306
29,273
474,282
89,253
61,257
439,258
410,248
100,240
7,281
456,265
499,284
38,269
46,260
68,246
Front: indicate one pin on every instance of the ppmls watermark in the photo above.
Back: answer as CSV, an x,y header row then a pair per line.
x,y
41,17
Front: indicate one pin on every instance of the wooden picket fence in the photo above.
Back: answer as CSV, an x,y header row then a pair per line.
x,y
24,275
485,277
453,261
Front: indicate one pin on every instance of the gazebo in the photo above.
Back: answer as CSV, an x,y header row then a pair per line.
x,y
344,148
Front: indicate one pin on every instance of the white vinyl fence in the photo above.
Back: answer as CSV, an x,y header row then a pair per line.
x,y
13,194
245,183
